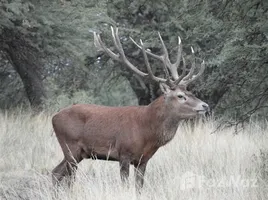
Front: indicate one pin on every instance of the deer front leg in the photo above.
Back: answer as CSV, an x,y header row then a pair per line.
x,y
124,169
139,175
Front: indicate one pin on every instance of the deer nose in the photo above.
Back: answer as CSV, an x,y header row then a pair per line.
x,y
205,106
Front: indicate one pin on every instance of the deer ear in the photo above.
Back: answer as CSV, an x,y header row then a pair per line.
x,y
164,88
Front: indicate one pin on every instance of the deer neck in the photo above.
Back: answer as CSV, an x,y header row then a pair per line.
x,y
164,122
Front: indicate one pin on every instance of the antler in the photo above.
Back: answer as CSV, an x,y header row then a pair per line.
x,y
121,55
184,78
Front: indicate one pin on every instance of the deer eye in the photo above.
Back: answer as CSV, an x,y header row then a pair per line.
x,y
180,96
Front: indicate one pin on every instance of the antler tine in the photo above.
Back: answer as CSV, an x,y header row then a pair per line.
x,y
163,45
117,42
183,73
149,69
148,52
184,78
101,47
165,58
190,74
161,58
178,61
172,67
121,55
194,77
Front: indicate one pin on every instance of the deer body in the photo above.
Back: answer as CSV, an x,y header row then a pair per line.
x,y
130,134
109,133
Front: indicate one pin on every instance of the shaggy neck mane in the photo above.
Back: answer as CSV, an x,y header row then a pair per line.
x,y
165,124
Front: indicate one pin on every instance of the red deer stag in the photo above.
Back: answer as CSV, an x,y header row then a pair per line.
x,y
130,134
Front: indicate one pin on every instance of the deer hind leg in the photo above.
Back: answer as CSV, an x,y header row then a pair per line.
x,y
67,168
71,172
59,172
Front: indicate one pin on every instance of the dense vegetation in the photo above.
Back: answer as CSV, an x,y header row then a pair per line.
x,y
47,56
48,61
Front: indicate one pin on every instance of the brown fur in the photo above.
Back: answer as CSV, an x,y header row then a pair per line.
x,y
130,135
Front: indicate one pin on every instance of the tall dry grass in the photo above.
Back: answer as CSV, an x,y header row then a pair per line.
x,y
194,165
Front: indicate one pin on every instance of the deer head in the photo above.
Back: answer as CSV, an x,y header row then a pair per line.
x,y
173,86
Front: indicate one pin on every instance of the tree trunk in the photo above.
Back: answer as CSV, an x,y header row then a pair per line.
x,y
25,60
145,91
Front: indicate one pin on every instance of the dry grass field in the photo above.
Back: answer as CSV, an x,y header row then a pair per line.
x,y
194,165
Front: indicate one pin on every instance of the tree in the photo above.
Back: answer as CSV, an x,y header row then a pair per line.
x,y
50,40
231,36
35,35
22,55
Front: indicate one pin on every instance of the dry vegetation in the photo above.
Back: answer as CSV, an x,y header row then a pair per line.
x,y
228,166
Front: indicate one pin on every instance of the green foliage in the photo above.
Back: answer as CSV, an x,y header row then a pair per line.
x,y
231,36
115,92
54,27
60,33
